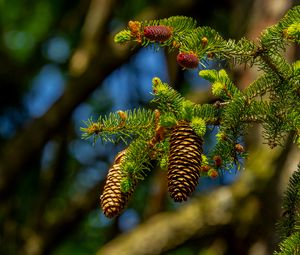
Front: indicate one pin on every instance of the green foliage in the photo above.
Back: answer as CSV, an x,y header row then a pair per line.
x,y
289,225
167,99
113,128
199,126
222,86
174,107
290,246
137,162
290,222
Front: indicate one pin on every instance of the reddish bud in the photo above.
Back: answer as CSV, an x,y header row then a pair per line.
x,y
188,60
204,41
159,33
134,27
122,115
210,55
239,148
223,137
213,173
205,168
218,160
176,44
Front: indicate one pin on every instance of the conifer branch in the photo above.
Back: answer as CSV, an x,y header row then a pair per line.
x,y
290,246
290,222
289,225
261,86
275,63
135,164
172,133
119,126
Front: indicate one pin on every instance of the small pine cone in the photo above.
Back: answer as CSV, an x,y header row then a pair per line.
x,y
184,161
159,33
188,60
113,200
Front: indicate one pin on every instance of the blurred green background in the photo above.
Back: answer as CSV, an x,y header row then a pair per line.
x,y
59,67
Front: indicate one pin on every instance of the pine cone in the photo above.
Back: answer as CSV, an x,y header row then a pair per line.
x,y
188,60
113,200
158,33
184,162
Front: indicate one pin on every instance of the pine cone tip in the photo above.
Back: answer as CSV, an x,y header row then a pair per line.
x,y
179,196
110,210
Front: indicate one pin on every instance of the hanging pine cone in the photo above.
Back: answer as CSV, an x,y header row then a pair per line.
x,y
113,200
184,162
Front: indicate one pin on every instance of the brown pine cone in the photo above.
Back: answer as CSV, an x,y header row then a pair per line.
x,y
184,161
113,200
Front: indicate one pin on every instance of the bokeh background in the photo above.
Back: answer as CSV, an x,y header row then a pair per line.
x,y
59,67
